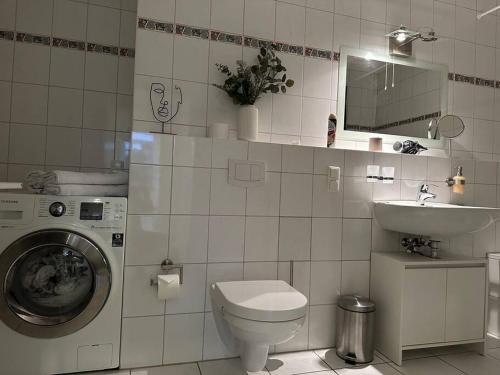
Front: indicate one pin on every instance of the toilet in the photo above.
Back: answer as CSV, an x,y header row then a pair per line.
x,y
252,315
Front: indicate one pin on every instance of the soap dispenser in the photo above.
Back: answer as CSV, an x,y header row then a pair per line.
x,y
457,183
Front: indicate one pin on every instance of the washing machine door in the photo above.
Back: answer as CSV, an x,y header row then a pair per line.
x,y
54,282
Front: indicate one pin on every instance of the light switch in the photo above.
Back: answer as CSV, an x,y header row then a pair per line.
x,y
242,172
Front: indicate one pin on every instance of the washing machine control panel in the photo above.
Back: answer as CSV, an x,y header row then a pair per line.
x,y
91,211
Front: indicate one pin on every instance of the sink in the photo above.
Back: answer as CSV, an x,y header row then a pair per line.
x,y
433,219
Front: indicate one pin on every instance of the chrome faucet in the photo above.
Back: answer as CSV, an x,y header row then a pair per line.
x,y
424,194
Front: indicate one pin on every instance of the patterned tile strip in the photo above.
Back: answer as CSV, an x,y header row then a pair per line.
x,y
165,27
192,31
71,44
32,38
395,123
218,36
6,35
318,53
65,43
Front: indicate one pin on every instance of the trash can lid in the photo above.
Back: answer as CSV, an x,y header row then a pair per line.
x,y
356,304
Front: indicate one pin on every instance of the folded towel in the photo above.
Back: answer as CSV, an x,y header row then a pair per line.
x,y
10,185
84,190
36,180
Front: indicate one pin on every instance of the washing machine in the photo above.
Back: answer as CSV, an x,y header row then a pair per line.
x,y
61,275
494,296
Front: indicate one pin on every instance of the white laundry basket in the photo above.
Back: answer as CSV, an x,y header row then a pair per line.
x,y
494,300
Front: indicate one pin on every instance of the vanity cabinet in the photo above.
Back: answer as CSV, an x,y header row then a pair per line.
x,y
423,302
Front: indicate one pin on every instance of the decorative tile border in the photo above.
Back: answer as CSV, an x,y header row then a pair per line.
x,y
218,36
192,32
66,43
6,35
395,123
248,41
71,44
148,24
32,38
318,53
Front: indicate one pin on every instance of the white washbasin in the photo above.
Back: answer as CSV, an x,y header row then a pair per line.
x,y
433,219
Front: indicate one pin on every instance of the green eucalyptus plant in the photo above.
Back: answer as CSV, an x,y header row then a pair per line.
x,y
249,82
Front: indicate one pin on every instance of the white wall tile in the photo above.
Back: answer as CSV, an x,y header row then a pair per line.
x,y
149,186
154,54
27,144
142,341
325,203
226,199
67,68
8,14
139,297
322,326
147,239
358,195
164,10
189,238
222,151
266,152
356,278
261,239
63,146
326,243
24,69
36,113
317,79
4,147
348,7
65,107
265,200
296,194
183,338
325,282
295,239
97,148
286,114
290,23
226,239
227,15
260,271
69,20
356,239
191,59
193,12
297,159
192,293
101,72
260,18
190,191
34,16
99,110
319,29
103,25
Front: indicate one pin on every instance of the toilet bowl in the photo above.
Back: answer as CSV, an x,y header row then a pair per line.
x,y
252,315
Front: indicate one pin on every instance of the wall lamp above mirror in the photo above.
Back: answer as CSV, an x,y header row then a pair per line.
x,y
391,98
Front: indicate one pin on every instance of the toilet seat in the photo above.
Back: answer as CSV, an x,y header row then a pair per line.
x,y
262,301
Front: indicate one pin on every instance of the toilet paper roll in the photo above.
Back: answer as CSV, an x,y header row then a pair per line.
x,y
168,286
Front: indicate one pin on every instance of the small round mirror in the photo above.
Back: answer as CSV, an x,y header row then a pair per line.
x,y
448,126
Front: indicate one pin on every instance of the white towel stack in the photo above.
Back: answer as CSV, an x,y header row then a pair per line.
x,y
78,183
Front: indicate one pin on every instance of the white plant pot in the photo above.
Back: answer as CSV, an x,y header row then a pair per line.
x,y
248,122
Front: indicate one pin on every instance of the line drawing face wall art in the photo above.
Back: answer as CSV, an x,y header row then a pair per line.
x,y
160,104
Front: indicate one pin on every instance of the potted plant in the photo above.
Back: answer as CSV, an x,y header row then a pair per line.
x,y
249,83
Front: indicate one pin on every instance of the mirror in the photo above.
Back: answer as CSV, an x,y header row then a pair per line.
x,y
393,98
448,126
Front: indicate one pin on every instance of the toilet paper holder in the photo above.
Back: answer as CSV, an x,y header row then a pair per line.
x,y
168,265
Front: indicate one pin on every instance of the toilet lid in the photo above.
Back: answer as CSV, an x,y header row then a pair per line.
x,y
264,300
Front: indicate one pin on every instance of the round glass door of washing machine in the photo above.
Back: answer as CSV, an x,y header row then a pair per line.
x,y
54,283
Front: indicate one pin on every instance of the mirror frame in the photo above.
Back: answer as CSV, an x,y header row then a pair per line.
x,y
351,135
